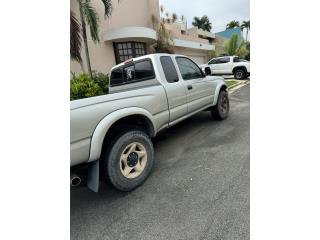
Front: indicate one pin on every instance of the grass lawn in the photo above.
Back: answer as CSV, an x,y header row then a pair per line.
x,y
230,83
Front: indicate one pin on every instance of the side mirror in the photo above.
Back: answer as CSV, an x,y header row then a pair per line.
x,y
207,71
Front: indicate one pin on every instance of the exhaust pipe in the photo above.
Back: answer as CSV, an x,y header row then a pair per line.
x,y
75,180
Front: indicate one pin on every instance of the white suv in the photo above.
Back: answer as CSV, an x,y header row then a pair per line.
x,y
228,65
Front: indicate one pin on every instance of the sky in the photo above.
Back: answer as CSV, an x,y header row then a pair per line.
x,y
220,12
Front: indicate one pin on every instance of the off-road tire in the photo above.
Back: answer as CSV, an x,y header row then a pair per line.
x,y
240,74
217,112
110,162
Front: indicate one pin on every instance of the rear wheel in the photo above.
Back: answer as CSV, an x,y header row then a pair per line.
x,y
129,160
221,110
239,74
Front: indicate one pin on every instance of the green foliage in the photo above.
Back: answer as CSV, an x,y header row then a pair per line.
x,y
233,24
246,25
102,80
232,45
92,19
75,38
83,86
233,48
242,51
247,57
202,23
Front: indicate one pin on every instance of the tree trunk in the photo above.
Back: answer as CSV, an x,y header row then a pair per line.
x,y
85,41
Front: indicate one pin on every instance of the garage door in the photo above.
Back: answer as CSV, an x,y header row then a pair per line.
x,y
198,59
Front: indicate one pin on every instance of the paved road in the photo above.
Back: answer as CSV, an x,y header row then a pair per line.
x,y
199,187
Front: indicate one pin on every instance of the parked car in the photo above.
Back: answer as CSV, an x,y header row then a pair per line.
x,y
111,134
229,65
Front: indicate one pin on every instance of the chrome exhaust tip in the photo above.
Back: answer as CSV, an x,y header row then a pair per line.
x,y
75,180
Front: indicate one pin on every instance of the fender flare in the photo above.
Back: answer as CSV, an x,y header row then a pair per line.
x,y
105,124
241,67
218,88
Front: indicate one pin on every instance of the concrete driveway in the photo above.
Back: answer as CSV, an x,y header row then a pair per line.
x,y
199,187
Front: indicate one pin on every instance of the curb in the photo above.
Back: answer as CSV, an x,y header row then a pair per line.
x,y
238,86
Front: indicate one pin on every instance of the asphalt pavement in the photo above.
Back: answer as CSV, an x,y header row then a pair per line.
x,y
199,187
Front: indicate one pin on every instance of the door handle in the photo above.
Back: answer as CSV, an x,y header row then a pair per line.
x,y
189,87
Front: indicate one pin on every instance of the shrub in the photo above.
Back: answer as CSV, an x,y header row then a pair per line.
x,y
242,51
102,80
83,87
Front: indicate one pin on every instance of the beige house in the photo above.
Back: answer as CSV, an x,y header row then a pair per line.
x,y
129,32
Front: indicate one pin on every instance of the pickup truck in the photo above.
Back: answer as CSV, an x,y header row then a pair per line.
x,y
229,65
111,134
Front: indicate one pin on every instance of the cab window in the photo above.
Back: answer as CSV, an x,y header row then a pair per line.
x,y
188,69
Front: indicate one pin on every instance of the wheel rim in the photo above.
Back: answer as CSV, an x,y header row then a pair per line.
x,y
224,104
133,160
239,74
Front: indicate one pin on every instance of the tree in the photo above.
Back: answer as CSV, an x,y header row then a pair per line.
x,y
75,38
233,24
234,48
232,45
164,43
174,17
246,25
88,16
202,23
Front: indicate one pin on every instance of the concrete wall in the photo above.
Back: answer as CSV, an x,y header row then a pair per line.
x,y
193,54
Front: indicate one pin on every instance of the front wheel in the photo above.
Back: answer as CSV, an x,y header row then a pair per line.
x,y
221,110
129,160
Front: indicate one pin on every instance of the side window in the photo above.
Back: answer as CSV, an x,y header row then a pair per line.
x,y
213,61
169,70
189,70
143,70
224,60
128,73
116,77
236,59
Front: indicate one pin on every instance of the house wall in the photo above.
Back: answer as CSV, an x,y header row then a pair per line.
x,y
198,56
126,13
134,13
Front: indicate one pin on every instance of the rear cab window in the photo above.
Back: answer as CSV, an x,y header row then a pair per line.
x,y
132,72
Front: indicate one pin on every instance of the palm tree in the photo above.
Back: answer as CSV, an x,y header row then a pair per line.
x,y
246,25
88,16
233,47
174,17
202,23
233,24
75,38
161,12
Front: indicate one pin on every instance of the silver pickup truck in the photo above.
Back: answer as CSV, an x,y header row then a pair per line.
x,y
111,134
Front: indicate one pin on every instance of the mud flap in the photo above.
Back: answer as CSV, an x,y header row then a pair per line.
x,y
93,176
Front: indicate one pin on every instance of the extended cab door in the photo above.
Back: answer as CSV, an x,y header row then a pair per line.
x,y
199,90
175,89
